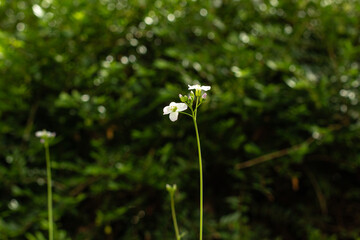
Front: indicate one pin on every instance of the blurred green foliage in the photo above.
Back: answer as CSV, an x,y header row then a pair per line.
x,y
284,77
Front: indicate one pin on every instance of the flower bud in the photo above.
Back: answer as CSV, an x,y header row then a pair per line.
x,y
171,189
204,96
192,95
183,98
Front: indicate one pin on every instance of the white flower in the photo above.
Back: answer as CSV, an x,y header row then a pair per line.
x,y
44,134
173,109
198,87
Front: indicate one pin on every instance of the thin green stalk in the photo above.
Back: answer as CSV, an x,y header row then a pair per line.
x,y
201,176
197,105
49,191
186,114
173,213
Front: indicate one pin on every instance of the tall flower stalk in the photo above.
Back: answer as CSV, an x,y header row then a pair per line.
x,y
171,190
193,101
45,138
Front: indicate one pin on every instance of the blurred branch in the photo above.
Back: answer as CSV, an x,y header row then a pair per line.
x,y
320,196
78,189
30,121
286,151
272,155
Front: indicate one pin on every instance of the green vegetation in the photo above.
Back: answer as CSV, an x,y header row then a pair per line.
x,y
279,133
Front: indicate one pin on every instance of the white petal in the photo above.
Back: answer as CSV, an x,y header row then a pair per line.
x,y
173,116
39,133
205,88
194,86
166,110
181,107
172,104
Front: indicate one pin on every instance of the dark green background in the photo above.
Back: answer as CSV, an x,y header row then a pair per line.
x,y
284,77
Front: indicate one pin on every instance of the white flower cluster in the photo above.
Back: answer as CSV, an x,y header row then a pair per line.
x,y
174,108
198,87
44,135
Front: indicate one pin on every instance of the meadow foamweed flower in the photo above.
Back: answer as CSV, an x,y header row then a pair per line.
x,y
198,88
173,109
44,135
193,101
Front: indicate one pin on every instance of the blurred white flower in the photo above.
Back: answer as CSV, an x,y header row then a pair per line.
x,y
45,134
198,87
173,109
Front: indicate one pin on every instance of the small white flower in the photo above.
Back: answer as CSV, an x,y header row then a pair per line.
x,y
173,109
44,134
198,87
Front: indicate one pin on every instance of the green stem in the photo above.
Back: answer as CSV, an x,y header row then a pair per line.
x,y
173,213
186,114
197,105
49,191
201,176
